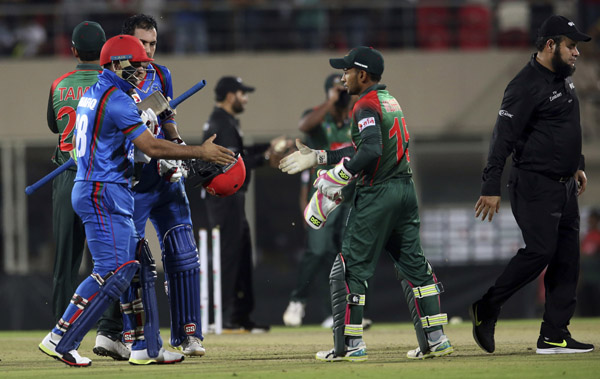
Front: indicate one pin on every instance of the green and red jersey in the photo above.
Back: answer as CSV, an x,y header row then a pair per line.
x,y
65,93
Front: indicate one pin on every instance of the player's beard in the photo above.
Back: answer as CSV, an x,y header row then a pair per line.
x,y
237,106
561,68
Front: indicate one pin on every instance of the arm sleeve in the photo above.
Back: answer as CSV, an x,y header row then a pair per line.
x,y
51,116
513,117
254,155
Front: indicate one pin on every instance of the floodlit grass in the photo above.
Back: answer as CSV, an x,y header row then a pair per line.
x,y
289,353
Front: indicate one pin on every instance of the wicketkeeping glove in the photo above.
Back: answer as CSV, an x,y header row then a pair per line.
x,y
317,210
169,170
331,182
302,159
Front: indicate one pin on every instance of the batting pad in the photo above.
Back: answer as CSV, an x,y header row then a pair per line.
x,y
110,290
182,271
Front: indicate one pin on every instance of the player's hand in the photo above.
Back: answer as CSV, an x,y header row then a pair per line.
x,y
170,170
486,207
581,180
211,152
331,182
302,159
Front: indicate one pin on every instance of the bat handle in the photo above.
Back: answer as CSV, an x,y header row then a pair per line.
x,y
181,98
57,171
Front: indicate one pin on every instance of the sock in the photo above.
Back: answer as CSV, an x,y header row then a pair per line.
x,y
435,335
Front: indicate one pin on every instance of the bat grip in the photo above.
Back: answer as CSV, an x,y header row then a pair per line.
x,y
181,98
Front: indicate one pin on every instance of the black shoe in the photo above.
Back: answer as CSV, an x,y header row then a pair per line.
x,y
233,328
566,345
253,327
483,329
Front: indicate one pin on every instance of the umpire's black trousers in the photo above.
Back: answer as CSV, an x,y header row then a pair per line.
x,y
236,256
547,212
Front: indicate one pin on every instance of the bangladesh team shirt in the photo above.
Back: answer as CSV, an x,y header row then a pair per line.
x,y
65,93
107,121
376,108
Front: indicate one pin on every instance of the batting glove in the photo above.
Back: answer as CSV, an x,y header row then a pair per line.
x,y
183,167
302,159
331,182
170,170
317,210
149,118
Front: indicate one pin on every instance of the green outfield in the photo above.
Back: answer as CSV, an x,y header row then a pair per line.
x,y
289,353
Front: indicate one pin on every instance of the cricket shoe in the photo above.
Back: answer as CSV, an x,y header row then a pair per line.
x,y
438,348
483,329
191,346
567,345
141,357
72,358
293,314
352,354
111,346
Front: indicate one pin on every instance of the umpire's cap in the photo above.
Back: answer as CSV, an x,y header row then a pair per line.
x,y
561,26
362,57
88,36
230,84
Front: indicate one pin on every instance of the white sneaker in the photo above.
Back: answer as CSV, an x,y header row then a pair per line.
x,y
293,314
107,347
72,358
355,354
191,346
327,323
141,357
436,349
367,323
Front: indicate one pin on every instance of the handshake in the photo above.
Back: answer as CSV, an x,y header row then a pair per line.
x,y
329,183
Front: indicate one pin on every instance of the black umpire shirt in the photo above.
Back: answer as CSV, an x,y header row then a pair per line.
x,y
229,135
539,124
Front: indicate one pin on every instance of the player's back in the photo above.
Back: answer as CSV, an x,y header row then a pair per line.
x,y
394,161
107,121
66,92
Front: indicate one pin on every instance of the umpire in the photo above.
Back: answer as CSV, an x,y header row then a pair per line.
x,y
539,124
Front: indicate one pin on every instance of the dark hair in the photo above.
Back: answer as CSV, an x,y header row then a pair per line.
x,y
88,56
540,42
138,21
374,77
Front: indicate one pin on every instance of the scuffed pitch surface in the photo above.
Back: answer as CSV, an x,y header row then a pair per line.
x,y
289,353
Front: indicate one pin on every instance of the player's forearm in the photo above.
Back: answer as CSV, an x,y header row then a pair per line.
x,y
171,132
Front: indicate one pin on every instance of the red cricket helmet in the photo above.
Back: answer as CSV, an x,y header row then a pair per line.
x,y
123,47
229,181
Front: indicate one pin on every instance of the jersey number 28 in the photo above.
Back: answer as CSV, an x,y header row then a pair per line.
x,y
81,139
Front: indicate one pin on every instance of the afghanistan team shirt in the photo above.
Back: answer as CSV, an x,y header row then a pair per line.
x,y
107,121
65,93
159,81
376,108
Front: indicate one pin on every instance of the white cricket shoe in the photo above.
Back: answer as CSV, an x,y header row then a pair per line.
x,y
141,357
327,323
352,354
293,314
72,358
107,347
437,348
191,346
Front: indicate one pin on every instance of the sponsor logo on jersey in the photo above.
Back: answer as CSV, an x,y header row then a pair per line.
x,y
571,85
189,328
136,97
315,221
391,105
555,95
504,113
365,122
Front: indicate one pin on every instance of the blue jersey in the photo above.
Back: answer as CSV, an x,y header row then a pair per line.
x,y
161,82
107,121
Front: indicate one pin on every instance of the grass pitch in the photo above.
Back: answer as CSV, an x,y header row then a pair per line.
x,y
289,353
